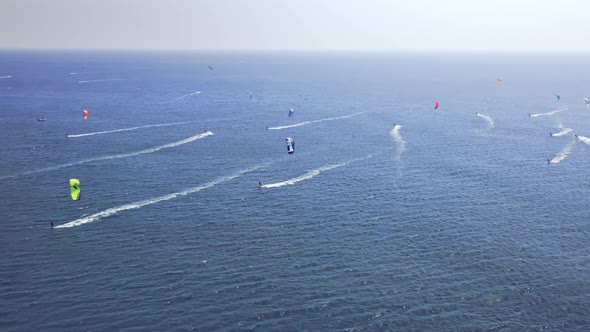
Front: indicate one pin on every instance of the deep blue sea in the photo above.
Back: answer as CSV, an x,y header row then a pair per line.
x,y
389,216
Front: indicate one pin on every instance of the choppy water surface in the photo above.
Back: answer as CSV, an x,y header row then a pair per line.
x,y
389,216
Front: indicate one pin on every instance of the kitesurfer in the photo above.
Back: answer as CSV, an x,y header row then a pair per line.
x,y
259,184
52,224
548,161
550,134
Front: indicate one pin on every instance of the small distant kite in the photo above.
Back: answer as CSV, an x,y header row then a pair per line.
x,y
210,67
436,104
291,112
558,97
85,114
250,92
587,101
499,80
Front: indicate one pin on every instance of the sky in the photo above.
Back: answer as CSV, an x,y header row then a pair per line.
x,y
504,26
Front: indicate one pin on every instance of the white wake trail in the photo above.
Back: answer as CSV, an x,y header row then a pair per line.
x,y
310,174
584,139
563,153
116,156
125,129
489,120
549,113
397,137
563,132
8,76
190,94
140,204
315,121
103,80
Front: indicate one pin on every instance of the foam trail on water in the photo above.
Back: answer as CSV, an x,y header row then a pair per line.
x,y
8,76
309,174
104,80
115,156
397,137
563,153
140,204
126,129
303,177
190,94
549,113
489,120
563,132
314,121
584,139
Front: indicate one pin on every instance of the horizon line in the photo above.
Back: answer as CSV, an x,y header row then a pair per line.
x,y
299,51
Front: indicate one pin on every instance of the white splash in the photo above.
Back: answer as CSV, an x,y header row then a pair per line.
x,y
310,174
563,153
116,156
8,76
397,137
549,113
140,204
314,121
565,131
190,94
584,139
489,120
125,129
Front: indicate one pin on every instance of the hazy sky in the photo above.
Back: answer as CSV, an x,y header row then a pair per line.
x,y
316,25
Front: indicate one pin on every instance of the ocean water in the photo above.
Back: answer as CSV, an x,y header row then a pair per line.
x,y
390,215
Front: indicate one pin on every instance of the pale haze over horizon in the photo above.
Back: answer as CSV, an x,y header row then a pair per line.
x,y
323,25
